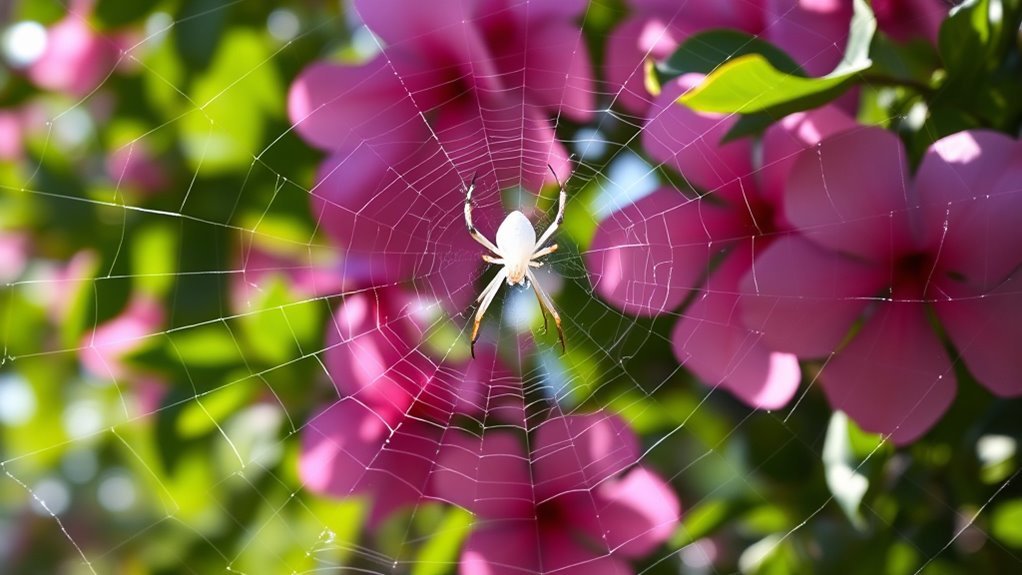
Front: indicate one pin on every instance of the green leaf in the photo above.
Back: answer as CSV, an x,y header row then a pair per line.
x,y
197,30
154,255
235,96
842,469
79,293
1007,522
202,414
117,13
440,552
964,35
277,327
211,345
705,519
707,51
771,555
751,83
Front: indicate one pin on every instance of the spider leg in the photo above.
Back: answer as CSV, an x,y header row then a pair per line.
x,y
490,259
542,308
491,286
468,218
547,250
545,301
490,292
562,198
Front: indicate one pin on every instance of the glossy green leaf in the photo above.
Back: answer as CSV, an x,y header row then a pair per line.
x,y
751,83
964,36
705,52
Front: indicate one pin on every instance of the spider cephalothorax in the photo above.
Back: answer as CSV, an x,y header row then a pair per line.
x,y
517,250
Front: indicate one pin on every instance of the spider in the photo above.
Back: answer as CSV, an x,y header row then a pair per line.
x,y
517,251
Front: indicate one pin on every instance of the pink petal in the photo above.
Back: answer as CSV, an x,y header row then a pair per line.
x,y
488,475
894,377
783,141
13,255
558,73
805,299
690,142
968,187
382,209
103,349
76,60
12,135
812,32
338,107
713,343
648,257
986,332
564,555
372,354
520,146
431,26
489,389
134,166
636,513
542,11
628,46
501,548
957,167
850,194
349,450
742,14
580,451
905,20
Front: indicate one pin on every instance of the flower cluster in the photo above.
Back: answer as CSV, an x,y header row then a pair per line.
x,y
802,253
575,502
404,131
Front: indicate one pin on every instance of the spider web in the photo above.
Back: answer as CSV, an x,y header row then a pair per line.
x,y
190,455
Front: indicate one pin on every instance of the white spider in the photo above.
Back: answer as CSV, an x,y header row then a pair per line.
x,y
517,250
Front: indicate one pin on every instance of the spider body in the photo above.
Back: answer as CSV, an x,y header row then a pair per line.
x,y
515,240
517,251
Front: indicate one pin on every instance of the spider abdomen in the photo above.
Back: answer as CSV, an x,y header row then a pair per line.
x,y
516,239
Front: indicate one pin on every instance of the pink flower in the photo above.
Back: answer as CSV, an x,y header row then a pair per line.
x,y
906,20
103,349
381,438
875,248
461,89
575,503
77,59
650,257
